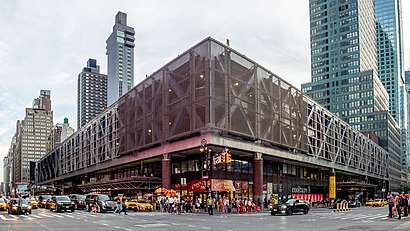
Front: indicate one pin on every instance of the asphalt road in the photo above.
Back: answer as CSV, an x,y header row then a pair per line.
x,y
365,218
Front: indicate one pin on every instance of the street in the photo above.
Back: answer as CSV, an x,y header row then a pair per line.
x,y
365,218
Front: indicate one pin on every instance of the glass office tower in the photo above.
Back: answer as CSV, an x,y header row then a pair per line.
x,y
390,64
344,72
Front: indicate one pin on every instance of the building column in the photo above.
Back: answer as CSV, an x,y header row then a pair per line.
x,y
258,177
166,171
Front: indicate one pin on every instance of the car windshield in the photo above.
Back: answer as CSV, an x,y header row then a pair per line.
x,y
16,201
79,197
62,198
103,197
45,197
142,201
1,200
30,199
290,201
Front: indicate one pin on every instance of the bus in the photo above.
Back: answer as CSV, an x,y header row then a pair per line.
x,y
21,189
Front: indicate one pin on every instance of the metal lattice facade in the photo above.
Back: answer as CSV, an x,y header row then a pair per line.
x,y
212,88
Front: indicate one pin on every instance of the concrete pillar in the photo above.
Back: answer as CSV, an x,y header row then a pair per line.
x,y
258,177
166,171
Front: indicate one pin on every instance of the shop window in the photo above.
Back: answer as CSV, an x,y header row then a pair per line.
x,y
176,168
191,165
184,166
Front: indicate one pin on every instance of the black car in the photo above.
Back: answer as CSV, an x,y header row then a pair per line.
x,y
105,203
289,207
61,203
79,201
354,204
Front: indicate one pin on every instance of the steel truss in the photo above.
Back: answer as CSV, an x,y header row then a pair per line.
x,y
212,87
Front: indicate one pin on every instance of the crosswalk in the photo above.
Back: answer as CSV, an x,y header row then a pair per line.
x,y
349,216
44,215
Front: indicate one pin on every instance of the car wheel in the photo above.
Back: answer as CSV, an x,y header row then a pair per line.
x,y
305,211
29,212
272,213
290,212
72,210
87,208
51,209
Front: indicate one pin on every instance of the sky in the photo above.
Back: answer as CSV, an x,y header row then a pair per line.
x,y
44,44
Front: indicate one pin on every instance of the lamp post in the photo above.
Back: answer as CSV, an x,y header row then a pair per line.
x,y
208,164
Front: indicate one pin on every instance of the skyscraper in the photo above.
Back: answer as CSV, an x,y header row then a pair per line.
x,y
32,136
120,51
407,96
390,65
345,74
91,93
66,130
389,51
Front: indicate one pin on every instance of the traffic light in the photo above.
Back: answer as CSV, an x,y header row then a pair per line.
x,y
228,157
222,156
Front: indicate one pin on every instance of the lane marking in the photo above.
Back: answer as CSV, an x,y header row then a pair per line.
x,y
7,219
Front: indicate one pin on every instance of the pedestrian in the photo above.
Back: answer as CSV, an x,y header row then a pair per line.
x,y
123,205
95,204
210,206
404,203
397,200
265,203
171,204
390,202
188,204
226,204
119,206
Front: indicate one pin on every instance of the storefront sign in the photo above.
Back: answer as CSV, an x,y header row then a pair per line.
x,y
332,187
309,197
222,185
217,185
300,190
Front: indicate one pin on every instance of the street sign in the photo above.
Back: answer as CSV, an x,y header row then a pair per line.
x,y
217,160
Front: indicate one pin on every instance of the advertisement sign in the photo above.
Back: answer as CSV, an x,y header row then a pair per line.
x,y
309,197
332,187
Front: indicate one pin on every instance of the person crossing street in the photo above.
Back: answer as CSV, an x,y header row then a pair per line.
x,y
210,207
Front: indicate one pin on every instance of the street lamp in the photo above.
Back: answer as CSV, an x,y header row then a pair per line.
x,y
208,164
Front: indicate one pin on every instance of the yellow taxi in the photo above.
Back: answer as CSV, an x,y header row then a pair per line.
x,y
369,203
138,205
33,202
379,203
3,204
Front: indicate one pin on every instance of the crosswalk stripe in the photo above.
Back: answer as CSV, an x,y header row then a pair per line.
x,y
379,216
358,218
7,219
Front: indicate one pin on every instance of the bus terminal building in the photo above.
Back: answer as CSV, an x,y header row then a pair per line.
x,y
281,142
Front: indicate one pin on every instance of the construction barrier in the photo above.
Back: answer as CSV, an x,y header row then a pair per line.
x,y
342,207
